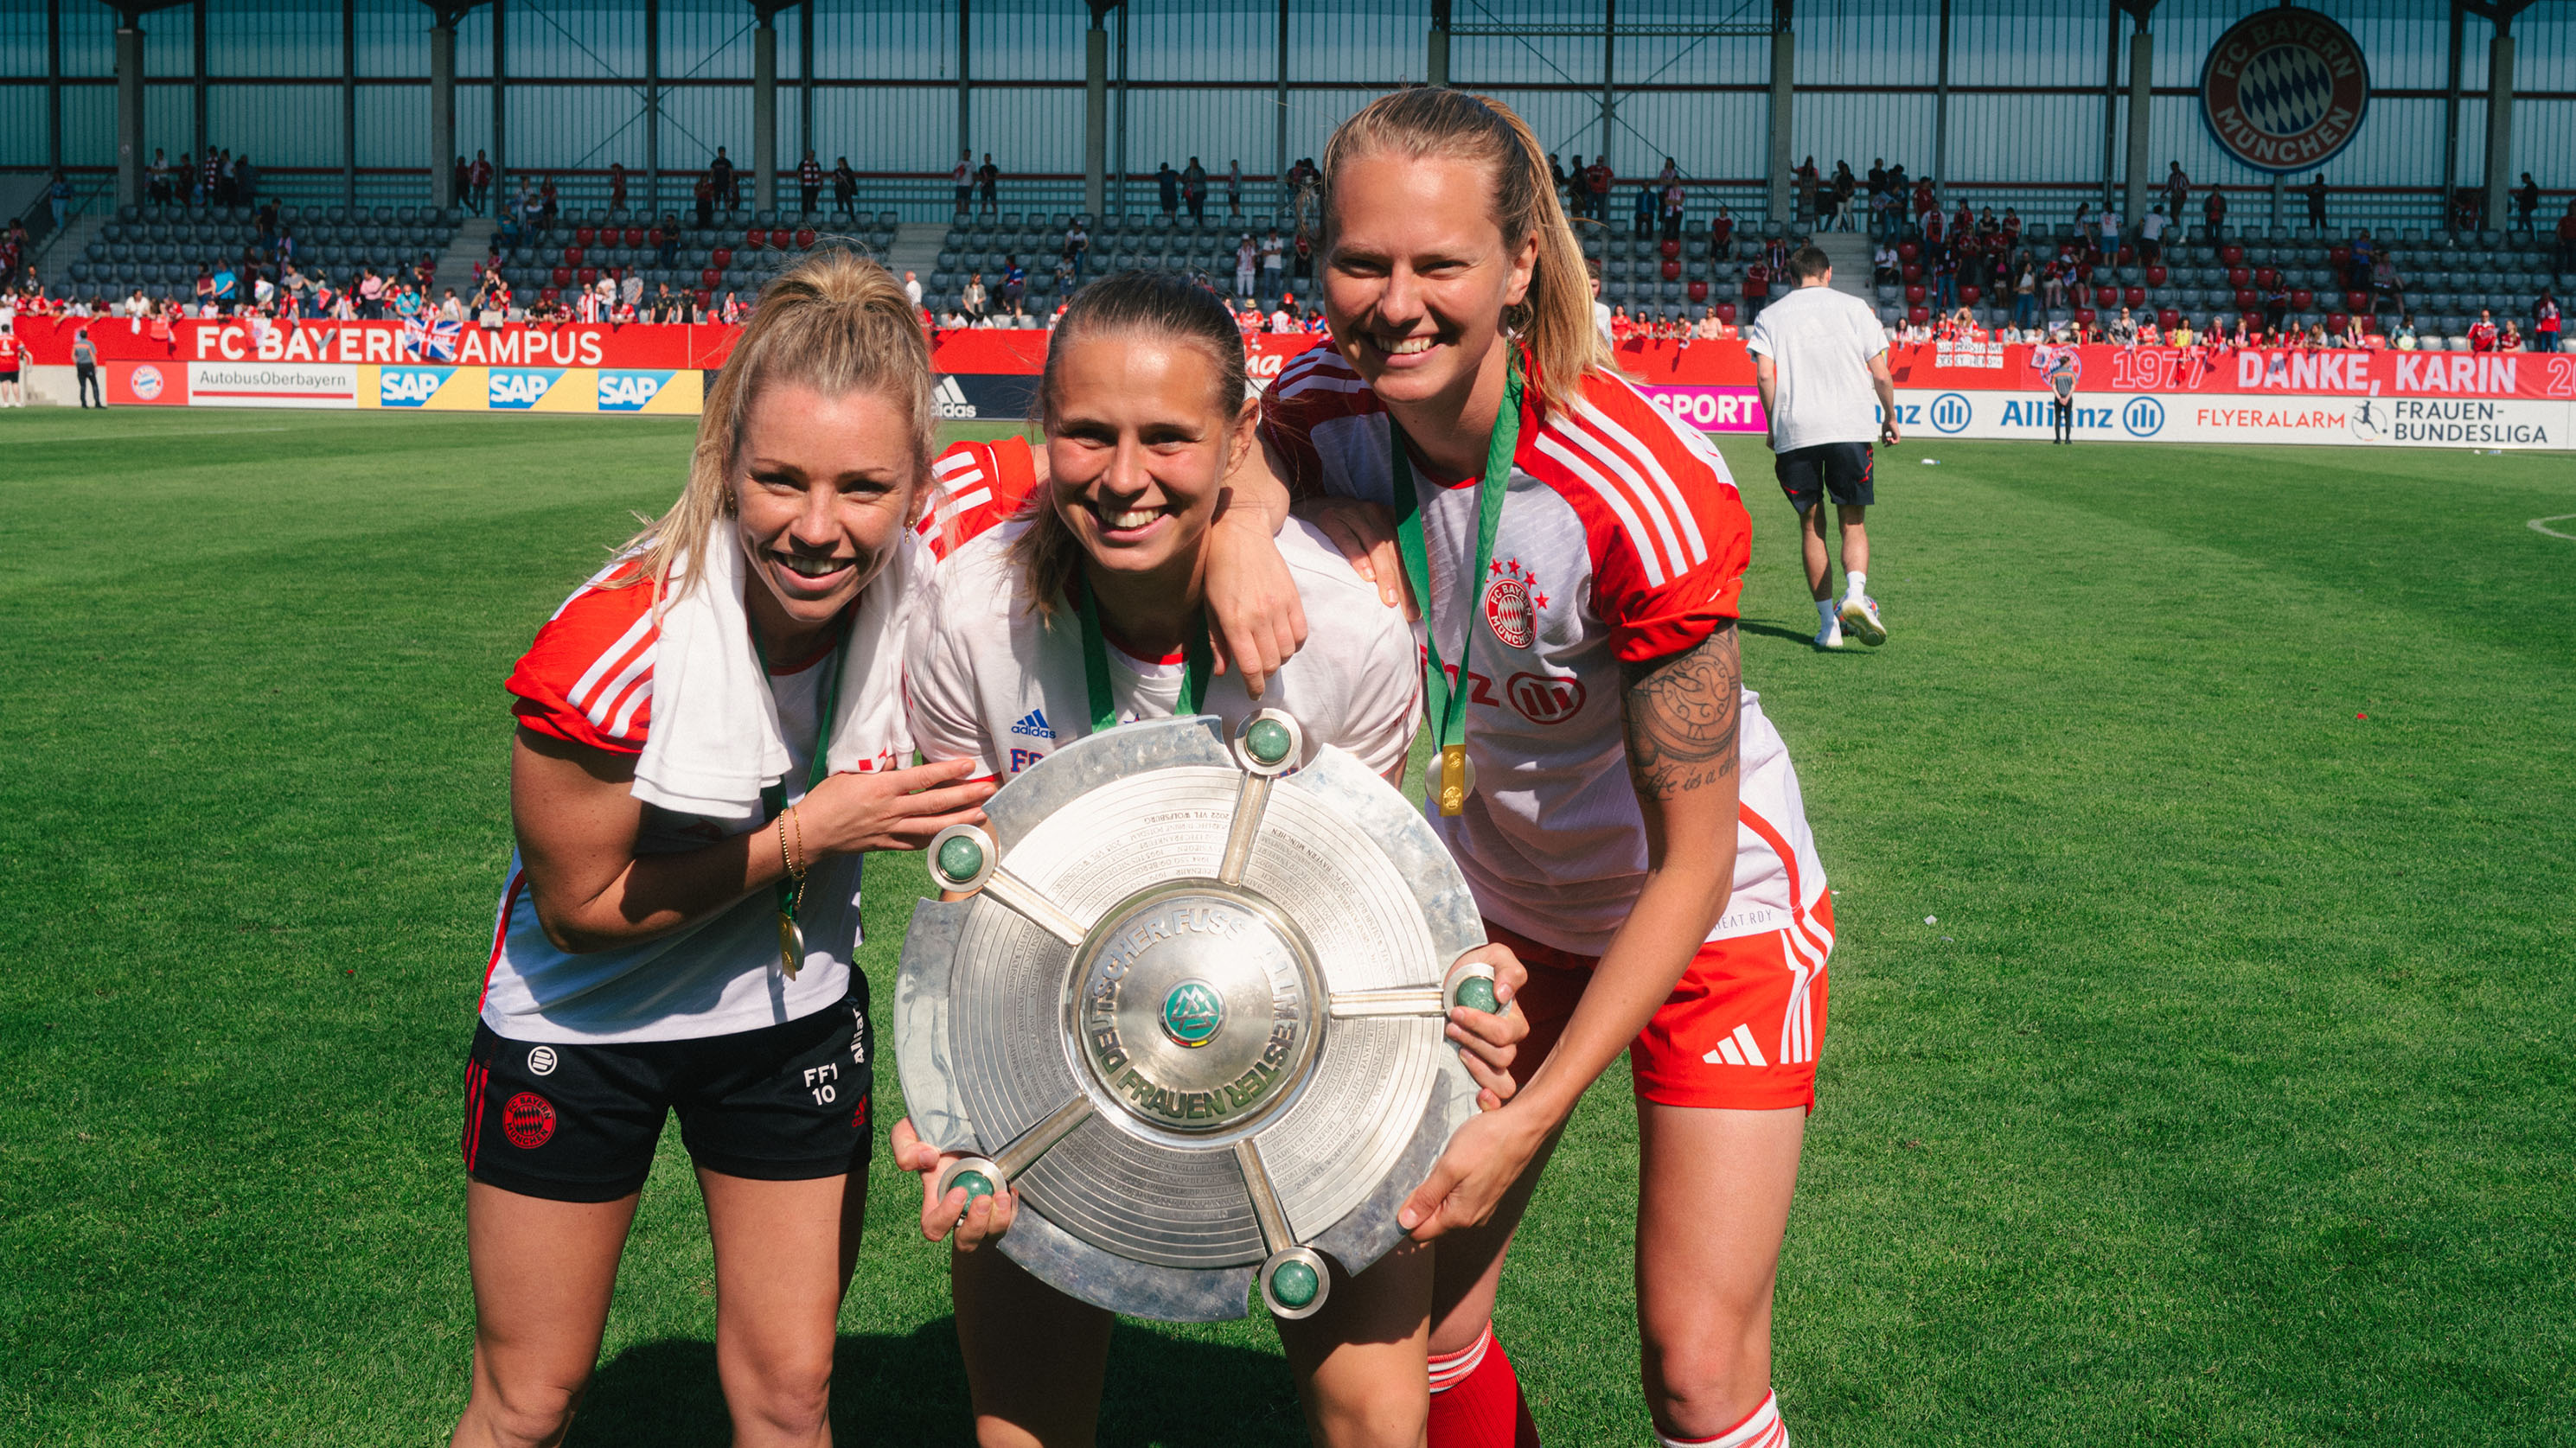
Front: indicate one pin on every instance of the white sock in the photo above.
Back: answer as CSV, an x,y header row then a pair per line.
x,y
1761,1428
1855,585
1825,612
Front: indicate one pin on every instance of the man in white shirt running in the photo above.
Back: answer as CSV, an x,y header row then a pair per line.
x,y
1817,357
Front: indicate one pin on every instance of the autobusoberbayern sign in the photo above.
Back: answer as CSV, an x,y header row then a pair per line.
x,y
2284,90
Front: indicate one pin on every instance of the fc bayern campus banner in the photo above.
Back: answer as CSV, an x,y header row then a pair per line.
x,y
2124,394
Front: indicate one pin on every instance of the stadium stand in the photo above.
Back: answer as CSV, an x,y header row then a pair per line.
x,y
160,249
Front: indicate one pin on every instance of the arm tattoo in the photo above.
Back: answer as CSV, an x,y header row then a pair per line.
x,y
1681,714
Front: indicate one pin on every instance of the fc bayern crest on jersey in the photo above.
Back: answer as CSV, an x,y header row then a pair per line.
x,y
2284,90
1512,603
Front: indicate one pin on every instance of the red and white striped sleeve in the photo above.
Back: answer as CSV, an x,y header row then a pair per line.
x,y
1666,529
588,677
975,486
1318,386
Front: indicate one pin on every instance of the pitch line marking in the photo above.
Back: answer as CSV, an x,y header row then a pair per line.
x,y
142,436
2541,525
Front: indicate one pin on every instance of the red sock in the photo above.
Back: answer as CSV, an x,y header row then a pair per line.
x,y
1476,1399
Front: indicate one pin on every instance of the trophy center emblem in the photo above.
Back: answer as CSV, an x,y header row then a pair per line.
x,y
1192,1013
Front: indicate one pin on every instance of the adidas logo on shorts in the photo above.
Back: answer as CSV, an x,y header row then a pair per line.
x,y
1737,1050
1034,725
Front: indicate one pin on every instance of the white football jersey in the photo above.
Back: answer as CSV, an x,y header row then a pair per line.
x,y
989,680
1622,539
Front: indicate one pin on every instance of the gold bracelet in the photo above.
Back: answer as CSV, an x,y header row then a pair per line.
x,y
806,860
786,861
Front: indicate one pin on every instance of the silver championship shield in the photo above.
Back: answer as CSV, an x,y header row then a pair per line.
x,y
1193,1012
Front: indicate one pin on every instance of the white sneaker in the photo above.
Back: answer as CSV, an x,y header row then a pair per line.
x,y
1830,636
1860,615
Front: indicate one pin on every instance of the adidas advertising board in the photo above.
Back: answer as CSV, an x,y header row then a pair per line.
x,y
972,397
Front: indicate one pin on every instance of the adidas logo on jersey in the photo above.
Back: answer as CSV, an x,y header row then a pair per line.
x,y
1034,725
1737,1050
949,401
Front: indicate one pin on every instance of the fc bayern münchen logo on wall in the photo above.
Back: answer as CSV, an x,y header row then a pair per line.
x,y
2284,90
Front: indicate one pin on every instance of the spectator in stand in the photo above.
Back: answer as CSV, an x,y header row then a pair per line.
x,y
630,288
2544,323
2317,202
1015,282
1169,181
1886,268
912,290
845,187
1721,235
1563,182
2276,302
616,186
1305,252
728,180
2025,292
1274,262
704,194
1672,200
2386,286
1597,179
478,180
2527,199
989,176
809,182
546,206
961,178
1077,248
973,299
1194,179
2213,213
2110,223
2482,332
156,186
1234,190
2567,239
1757,289
2151,237
2511,341
1945,275
1305,185
1247,260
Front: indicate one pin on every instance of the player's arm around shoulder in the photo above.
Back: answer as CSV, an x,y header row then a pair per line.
x,y
1363,653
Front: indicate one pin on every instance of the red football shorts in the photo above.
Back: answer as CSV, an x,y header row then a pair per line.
x,y
1738,1033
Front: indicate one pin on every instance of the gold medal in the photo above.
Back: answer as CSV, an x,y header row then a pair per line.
x,y
791,944
1451,778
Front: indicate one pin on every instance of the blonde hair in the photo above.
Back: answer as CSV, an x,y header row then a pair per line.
x,y
1554,320
1148,304
837,323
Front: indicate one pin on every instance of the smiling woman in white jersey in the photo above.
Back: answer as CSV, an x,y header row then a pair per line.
x,y
1626,815
707,735
1079,614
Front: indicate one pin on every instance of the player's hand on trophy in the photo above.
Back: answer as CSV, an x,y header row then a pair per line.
x,y
894,809
1484,1158
1489,1041
1255,619
1365,532
974,1219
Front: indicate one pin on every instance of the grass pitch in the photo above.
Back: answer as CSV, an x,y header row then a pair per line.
x,y
2198,1063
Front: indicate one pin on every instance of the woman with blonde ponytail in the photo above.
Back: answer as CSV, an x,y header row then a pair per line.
x,y
708,734
1628,819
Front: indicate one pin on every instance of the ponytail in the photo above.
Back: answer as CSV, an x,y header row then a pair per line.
x,y
837,323
1554,319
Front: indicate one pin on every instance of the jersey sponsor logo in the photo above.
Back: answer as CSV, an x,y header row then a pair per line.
x,y
542,1061
146,382
1512,601
2284,90
1544,700
516,389
1737,1049
1033,725
408,386
629,391
528,1119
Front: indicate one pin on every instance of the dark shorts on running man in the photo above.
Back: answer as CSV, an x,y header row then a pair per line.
x,y
578,1123
1841,469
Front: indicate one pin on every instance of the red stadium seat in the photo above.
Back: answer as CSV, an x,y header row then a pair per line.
x,y
2357,302
2134,297
2341,256
1919,315
2168,319
1670,249
562,276
1970,294
653,237
634,236
2239,277
706,296
1912,272
551,295
804,238
2335,321
1726,311
586,275
585,235
2246,299
2232,254
2087,315
573,256
2156,276
1699,291
754,239
2128,256
1914,295
2302,299
710,278
720,258
2106,296
1672,271
2265,276
1909,251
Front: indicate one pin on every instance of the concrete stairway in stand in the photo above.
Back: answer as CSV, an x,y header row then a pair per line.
x,y
916,249
1851,252
465,251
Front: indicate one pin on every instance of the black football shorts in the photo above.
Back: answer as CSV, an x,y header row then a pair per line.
x,y
1841,469
578,1123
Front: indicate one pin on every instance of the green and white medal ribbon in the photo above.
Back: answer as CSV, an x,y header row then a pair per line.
x,y
1198,665
1445,705
773,797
